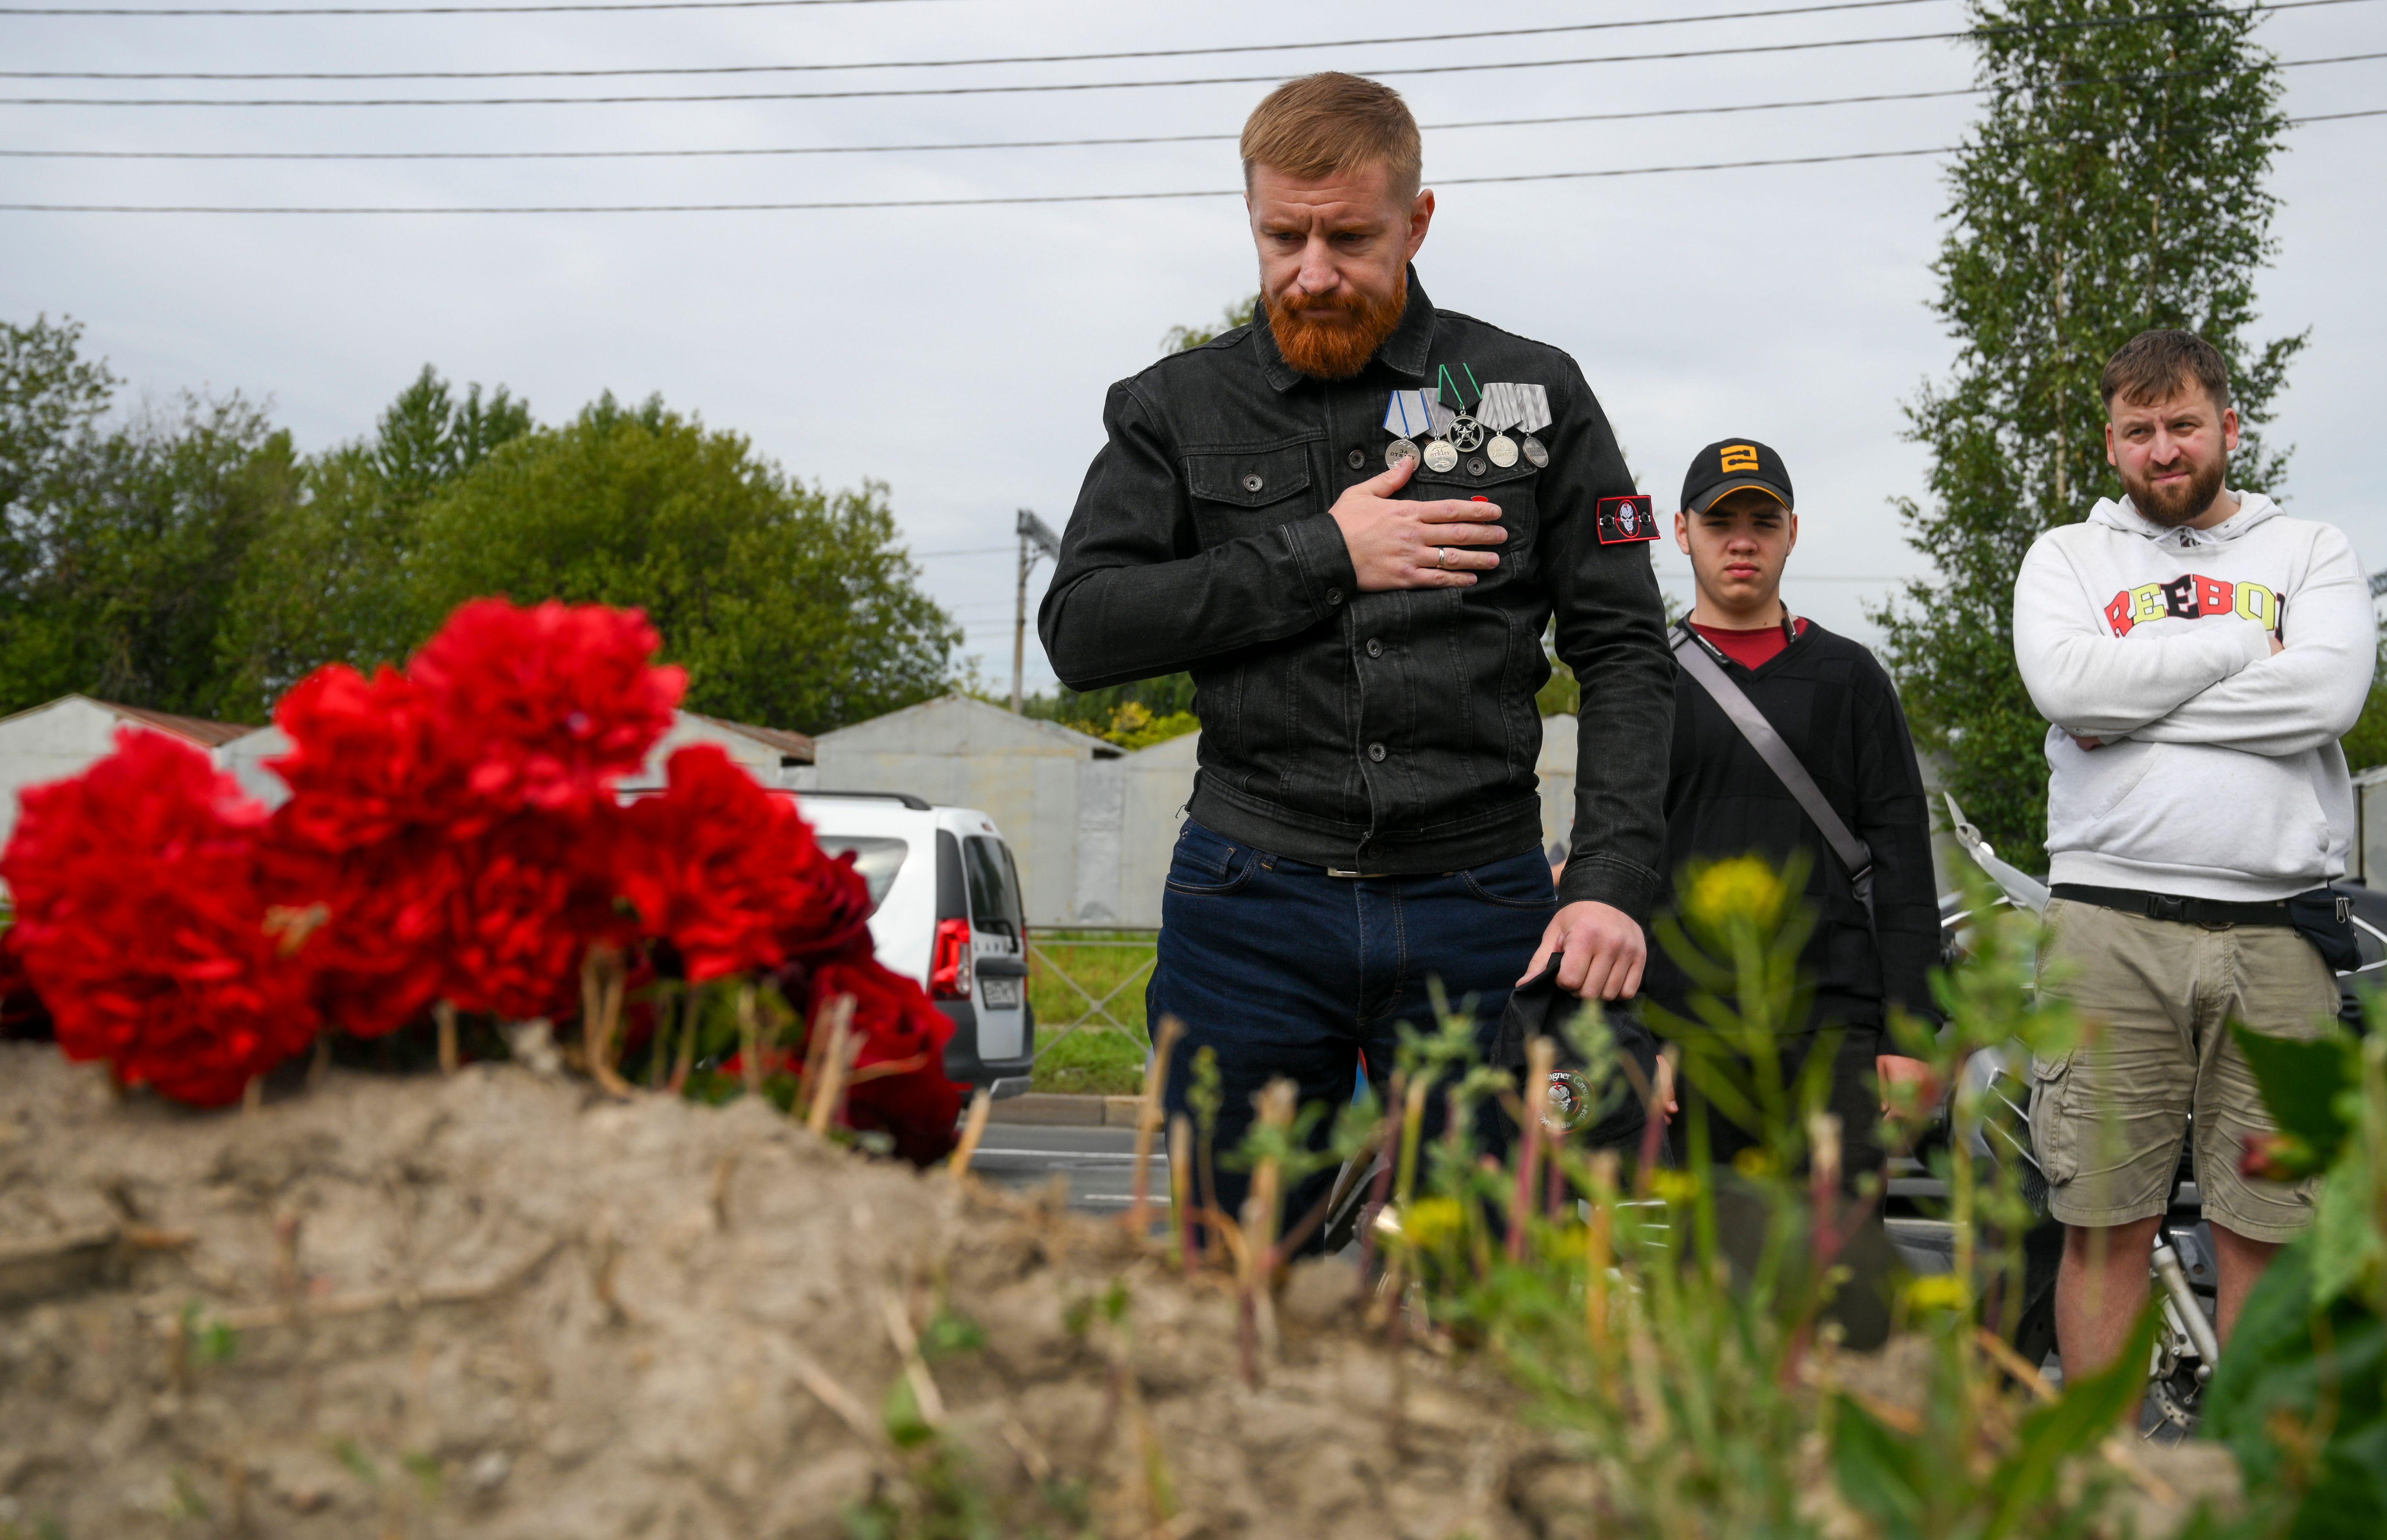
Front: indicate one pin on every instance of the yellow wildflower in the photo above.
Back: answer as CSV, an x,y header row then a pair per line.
x,y
1938,1290
1744,888
1674,1187
1433,1225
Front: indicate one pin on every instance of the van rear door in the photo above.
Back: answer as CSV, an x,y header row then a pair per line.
x,y
999,938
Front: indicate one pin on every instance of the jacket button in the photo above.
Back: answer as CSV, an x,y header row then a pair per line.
x,y
1474,468
1375,648
1376,753
1334,596
1253,482
1356,458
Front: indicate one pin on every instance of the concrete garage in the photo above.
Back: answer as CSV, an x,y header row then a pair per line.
x,y
67,736
1091,825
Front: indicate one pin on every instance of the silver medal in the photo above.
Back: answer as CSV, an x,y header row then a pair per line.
x,y
1501,450
1536,456
1465,433
1440,456
1398,451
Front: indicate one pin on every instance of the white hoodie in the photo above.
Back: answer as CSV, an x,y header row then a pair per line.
x,y
2220,774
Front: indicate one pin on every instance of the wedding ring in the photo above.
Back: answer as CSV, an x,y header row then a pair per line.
x,y
1441,556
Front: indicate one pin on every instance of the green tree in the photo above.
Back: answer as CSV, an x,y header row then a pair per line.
x,y
327,580
787,605
2115,182
1182,339
122,546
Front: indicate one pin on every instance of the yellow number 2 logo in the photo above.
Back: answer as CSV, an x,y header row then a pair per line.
x,y
1739,458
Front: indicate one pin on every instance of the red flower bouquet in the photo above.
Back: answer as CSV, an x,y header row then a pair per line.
x,y
453,832
142,922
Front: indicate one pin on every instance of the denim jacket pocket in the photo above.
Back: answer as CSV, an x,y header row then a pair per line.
x,y
1243,491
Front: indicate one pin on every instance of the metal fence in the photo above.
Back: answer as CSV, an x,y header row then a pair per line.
x,y
1098,977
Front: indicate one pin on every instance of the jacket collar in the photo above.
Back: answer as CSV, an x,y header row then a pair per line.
x,y
1404,352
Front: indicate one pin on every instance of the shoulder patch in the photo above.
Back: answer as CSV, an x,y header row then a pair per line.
x,y
1628,520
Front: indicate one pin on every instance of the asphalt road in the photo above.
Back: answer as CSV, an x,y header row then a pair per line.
x,y
1098,1166
1097,1162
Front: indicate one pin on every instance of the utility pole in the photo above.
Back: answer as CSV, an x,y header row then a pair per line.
x,y
1036,540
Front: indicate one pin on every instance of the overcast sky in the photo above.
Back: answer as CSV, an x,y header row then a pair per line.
x,y
960,355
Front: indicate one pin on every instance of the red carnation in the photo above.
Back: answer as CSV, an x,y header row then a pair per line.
x,y
364,842
533,892
143,922
366,764
904,1037
717,866
546,708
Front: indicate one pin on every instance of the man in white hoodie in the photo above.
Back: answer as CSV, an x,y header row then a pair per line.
x,y
2198,653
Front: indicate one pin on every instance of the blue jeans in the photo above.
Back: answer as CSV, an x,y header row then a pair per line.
x,y
1282,971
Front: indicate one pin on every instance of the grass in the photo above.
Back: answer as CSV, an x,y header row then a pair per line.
x,y
1093,1060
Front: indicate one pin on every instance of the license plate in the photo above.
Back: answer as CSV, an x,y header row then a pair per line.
x,y
1000,994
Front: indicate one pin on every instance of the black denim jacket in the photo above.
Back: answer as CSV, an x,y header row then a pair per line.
x,y
1378,732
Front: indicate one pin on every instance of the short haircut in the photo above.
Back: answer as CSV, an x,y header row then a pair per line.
x,y
2154,364
1323,125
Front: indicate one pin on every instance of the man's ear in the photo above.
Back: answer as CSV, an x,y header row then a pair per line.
x,y
2109,444
1794,535
1683,530
1420,216
2229,429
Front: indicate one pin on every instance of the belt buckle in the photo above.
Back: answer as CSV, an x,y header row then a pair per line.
x,y
2167,906
1355,877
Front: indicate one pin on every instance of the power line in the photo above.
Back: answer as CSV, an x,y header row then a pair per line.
x,y
1006,201
1052,86
1079,144
930,203
434,10
975,145
960,63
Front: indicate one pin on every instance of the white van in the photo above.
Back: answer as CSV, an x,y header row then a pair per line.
x,y
947,912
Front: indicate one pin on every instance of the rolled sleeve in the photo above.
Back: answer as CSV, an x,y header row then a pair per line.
x,y
1324,559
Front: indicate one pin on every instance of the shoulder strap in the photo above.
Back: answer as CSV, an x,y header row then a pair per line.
x,y
1854,855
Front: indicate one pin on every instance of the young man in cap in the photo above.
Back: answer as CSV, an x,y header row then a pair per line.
x,y
1835,710
2197,654
1353,521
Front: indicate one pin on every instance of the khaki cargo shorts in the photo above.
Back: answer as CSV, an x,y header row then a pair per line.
x,y
2155,998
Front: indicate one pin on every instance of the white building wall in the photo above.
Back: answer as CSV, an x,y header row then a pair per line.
x,y
50,743
1048,788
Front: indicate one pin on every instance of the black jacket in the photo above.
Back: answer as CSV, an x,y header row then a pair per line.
x,y
1382,732
1839,713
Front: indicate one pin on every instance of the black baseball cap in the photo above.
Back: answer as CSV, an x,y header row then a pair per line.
x,y
1729,464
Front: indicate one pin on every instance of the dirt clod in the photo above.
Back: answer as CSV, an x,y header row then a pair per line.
x,y
498,1305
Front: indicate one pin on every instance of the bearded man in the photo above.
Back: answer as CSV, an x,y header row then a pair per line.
x,y
1354,522
2198,654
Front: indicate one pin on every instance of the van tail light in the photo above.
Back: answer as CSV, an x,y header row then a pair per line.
x,y
949,969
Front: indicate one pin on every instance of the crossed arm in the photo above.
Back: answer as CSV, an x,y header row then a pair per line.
x,y
2222,682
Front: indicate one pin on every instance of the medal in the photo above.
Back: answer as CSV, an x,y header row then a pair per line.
x,y
1533,414
1440,456
1500,409
1406,414
1466,433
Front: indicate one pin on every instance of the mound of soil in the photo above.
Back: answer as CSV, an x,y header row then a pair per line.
x,y
499,1305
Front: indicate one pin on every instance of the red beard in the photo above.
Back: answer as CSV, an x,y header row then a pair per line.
x,y
1333,338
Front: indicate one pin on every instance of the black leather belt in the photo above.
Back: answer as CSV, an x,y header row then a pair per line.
x,y
2171,907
